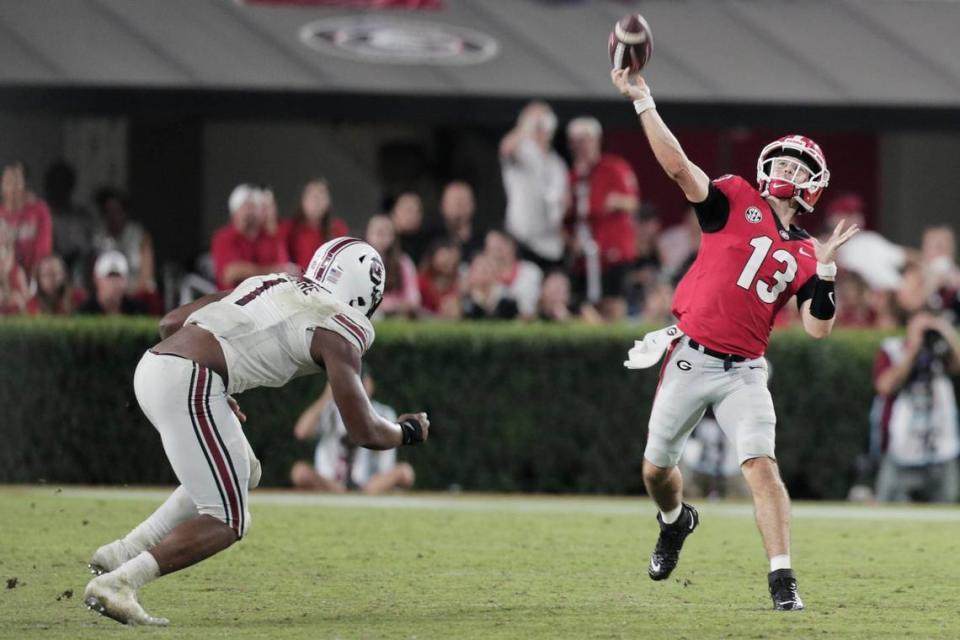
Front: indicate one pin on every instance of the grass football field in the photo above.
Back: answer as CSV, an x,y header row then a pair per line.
x,y
438,566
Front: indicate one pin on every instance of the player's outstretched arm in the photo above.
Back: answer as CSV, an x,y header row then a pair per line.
x,y
688,176
819,312
172,322
364,426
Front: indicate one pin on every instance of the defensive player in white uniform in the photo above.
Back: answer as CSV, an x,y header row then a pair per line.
x,y
268,330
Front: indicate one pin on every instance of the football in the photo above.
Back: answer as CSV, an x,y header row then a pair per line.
x,y
631,43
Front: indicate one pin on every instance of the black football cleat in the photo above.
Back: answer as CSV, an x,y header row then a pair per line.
x,y
667,552
783,590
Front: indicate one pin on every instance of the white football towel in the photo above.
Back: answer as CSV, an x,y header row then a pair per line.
x,y
647,352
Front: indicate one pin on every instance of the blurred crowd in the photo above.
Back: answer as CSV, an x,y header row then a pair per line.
x,y
576,241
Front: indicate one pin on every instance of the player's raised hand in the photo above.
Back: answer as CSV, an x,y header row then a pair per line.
x,y
635,90
827,250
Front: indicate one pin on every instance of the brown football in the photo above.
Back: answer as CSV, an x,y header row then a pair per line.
x,y
631,43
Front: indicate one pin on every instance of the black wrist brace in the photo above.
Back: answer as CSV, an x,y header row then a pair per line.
x,y
823,306
412,431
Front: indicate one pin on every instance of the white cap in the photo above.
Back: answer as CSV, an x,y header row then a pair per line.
x,y
240,194
584,125
110,263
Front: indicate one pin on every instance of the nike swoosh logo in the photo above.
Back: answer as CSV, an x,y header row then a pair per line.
x,y
755,367
805,253
832,301
654,566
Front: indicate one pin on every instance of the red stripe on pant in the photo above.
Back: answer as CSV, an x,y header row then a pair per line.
x,y
666,361
206,429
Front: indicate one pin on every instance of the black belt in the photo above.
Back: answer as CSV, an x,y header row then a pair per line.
x,y
726,357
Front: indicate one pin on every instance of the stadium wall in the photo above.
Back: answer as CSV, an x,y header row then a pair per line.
x,y
529,408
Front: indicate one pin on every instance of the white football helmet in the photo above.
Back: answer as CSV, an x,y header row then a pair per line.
x,y
802,152
351,270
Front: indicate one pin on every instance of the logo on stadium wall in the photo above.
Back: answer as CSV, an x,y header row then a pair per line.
x,y
391,41
753,215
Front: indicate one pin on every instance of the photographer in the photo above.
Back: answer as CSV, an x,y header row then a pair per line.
x,y
918,418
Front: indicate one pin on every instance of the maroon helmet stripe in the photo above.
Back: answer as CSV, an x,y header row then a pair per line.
x,y
331,254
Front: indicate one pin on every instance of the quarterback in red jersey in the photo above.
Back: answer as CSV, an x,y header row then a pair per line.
x,y
752,260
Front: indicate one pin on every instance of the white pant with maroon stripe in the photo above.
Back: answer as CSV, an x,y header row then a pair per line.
x,y
690,382
187,403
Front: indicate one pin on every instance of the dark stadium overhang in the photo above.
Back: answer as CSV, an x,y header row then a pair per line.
x,y
739,57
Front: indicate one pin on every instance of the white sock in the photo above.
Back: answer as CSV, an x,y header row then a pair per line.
x,y
178,508
669,517
140,570
780,562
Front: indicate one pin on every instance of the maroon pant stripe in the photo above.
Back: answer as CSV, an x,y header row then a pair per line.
x,y
206,430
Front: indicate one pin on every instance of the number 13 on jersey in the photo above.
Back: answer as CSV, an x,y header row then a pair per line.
x,y
767,292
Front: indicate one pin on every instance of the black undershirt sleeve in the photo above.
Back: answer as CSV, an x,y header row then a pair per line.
x,y
806,291
713,212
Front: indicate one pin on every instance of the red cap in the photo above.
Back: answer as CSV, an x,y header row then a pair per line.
x,y
846,203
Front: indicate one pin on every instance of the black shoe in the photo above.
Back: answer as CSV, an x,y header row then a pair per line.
x,y
667,552
783,590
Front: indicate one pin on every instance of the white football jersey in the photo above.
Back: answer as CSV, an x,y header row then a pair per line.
x,y
265,327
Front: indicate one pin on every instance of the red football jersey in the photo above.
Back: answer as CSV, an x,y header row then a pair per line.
x,y
744,273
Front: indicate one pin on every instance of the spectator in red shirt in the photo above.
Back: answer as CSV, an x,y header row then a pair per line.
x,y
242,249
28,217
54,294
604,197
312,224
440,279
13,281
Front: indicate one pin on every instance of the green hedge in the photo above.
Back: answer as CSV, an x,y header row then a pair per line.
x,y
513,407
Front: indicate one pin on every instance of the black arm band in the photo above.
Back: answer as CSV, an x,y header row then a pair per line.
x,y
822,303
412,431
713,212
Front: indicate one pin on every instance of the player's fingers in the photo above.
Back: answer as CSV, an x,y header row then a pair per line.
x,y
849,233
839,228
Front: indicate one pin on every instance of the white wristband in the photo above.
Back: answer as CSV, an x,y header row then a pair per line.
x,y
644,104
827,271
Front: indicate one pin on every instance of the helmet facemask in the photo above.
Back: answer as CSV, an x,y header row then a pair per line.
x,y
793,168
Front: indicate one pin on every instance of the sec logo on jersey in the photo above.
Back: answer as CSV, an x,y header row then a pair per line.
x,y
753,215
